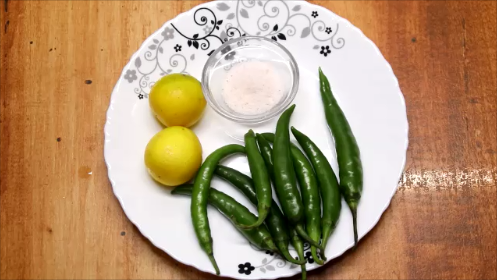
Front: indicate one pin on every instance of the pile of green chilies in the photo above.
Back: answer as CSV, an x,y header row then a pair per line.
x,y
308,214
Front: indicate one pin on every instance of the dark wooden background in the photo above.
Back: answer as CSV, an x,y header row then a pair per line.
x,y
59,222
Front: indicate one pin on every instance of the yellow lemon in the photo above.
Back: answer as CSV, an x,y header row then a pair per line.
x,y
177,100
173,156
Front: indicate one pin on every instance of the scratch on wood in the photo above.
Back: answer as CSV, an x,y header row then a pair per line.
x,y
5,3
465,74
464,38
451,179
7,26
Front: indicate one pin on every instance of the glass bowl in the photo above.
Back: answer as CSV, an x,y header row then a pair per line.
x,y
243,50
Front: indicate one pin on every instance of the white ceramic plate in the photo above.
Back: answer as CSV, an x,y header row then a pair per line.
x,y
363,83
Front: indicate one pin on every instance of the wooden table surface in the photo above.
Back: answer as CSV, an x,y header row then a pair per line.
x,y
57,221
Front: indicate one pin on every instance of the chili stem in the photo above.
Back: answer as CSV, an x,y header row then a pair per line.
x,y
300,230
289,257
354,220
214,264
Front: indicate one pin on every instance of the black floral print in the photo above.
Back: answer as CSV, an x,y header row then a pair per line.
x,y
325,50
246,268
308,257
168,33
271,253
130,75
208,21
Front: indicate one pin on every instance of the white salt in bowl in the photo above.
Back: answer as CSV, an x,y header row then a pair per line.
x,y
242,57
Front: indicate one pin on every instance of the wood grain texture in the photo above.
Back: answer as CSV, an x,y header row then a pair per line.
x,y
59,222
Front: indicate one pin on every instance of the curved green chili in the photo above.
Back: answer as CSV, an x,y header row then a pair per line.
x,y
309,190
330,192
284,177
275,220
260,178
267,154
200,196
299,247
310,197
348,154
237,213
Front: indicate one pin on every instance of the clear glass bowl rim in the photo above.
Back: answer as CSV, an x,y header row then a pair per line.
x,y
255,119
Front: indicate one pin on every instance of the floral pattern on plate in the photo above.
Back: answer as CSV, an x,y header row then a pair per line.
x,y
279,20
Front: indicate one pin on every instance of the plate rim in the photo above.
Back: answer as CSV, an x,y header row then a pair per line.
x,y
112,101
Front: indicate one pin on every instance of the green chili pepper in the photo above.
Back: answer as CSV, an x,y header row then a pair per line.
x,y
284,176
267,154
348,154
260,178
310,192
285,181
299,247
237,213
330,192
200,196
275,220
310,197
